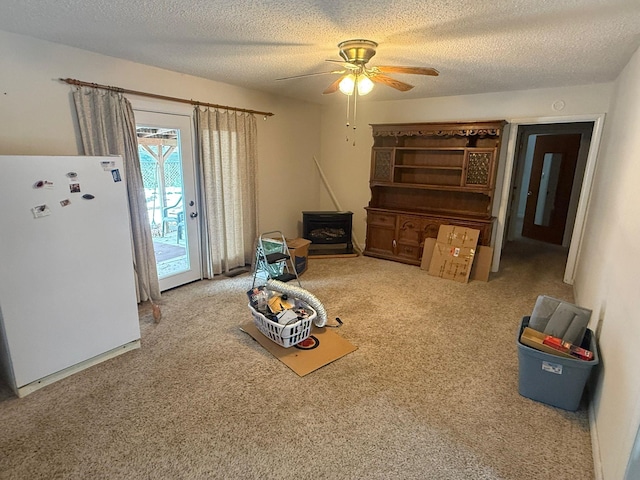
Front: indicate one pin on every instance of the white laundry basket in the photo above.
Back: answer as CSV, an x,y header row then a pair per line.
x,y
285,335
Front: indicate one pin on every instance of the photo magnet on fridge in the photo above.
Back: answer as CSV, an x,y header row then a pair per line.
x,y
116,175
74,187
40,211
43,183
108,165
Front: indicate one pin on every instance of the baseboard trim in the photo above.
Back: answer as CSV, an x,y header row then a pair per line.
x,y
54,377
598,473
332,254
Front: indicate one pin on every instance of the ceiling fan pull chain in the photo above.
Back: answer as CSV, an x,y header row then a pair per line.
x,y
355,106
348,110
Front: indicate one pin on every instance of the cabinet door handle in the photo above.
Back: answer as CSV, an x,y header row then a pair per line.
x,y
394,244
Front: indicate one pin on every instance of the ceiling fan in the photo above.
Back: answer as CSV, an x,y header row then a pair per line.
x,y
356,76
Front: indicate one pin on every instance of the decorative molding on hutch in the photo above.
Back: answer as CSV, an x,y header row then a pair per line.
x,y
439,133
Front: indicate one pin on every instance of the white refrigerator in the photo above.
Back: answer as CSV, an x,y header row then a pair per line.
x,y
67,291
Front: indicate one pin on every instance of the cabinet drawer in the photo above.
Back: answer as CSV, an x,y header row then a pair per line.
x,y
409,252
381,219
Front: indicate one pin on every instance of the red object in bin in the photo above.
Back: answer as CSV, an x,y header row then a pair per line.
x,y
559,344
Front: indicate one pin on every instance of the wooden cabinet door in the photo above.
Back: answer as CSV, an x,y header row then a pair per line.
x,y
382,165
409,239
380,240
381,233
430,228
479,168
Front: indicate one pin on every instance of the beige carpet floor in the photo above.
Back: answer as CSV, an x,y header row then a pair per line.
x,y
431,392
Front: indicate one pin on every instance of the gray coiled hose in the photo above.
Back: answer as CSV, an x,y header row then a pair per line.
x,y
302,294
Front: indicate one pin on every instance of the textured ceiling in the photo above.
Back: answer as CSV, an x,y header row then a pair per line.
x,y
477,45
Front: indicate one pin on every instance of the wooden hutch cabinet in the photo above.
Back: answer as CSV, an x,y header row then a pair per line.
x,y
424,175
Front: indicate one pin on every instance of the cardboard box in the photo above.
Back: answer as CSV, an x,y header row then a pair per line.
x,y
299,251
453,253
535,339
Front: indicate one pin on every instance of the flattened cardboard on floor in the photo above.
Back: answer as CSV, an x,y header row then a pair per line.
x,y
330,347
462,237
453,253
427,252
452,263
480,268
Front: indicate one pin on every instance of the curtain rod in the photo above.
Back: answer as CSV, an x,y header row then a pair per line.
x,y
72,81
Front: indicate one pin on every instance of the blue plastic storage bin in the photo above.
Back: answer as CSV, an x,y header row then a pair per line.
x,y
554,380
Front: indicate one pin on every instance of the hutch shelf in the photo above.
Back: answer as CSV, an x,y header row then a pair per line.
x,y
424,175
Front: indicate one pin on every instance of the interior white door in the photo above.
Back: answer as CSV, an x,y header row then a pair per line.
x,y
165,145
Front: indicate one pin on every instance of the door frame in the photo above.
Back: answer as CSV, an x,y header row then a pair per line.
x,y
585,191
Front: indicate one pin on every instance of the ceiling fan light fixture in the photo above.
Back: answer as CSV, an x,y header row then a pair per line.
x,y
357,79
347,84
365,85
357,51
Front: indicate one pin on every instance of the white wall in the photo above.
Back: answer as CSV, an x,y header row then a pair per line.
x,y
347,166
607,275
633,470
36,117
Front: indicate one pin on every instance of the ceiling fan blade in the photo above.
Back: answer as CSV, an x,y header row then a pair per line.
x,y
348,65
391,82
411,70
313,74
333,87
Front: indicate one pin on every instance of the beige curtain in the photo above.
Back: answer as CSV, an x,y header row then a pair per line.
x,y
228,160
107,127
